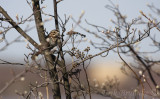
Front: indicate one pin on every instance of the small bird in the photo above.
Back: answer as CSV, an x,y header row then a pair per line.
x,y
53,38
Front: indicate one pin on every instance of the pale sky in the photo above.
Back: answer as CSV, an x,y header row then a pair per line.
x,y
95,12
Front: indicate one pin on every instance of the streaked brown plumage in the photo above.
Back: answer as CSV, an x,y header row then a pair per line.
x,y
52,38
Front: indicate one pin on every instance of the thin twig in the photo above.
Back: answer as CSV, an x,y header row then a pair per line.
x,y
130,67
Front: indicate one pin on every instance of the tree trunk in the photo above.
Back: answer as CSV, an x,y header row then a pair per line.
x,y
49,61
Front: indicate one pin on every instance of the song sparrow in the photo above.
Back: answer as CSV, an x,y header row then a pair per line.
x,y
53,38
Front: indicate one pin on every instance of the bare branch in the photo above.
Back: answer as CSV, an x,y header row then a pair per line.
x,y
10,20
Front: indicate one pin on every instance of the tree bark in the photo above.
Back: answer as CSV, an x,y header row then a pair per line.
x,y
44,45
64,70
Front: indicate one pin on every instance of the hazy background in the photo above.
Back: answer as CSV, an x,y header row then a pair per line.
x,y
95,12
